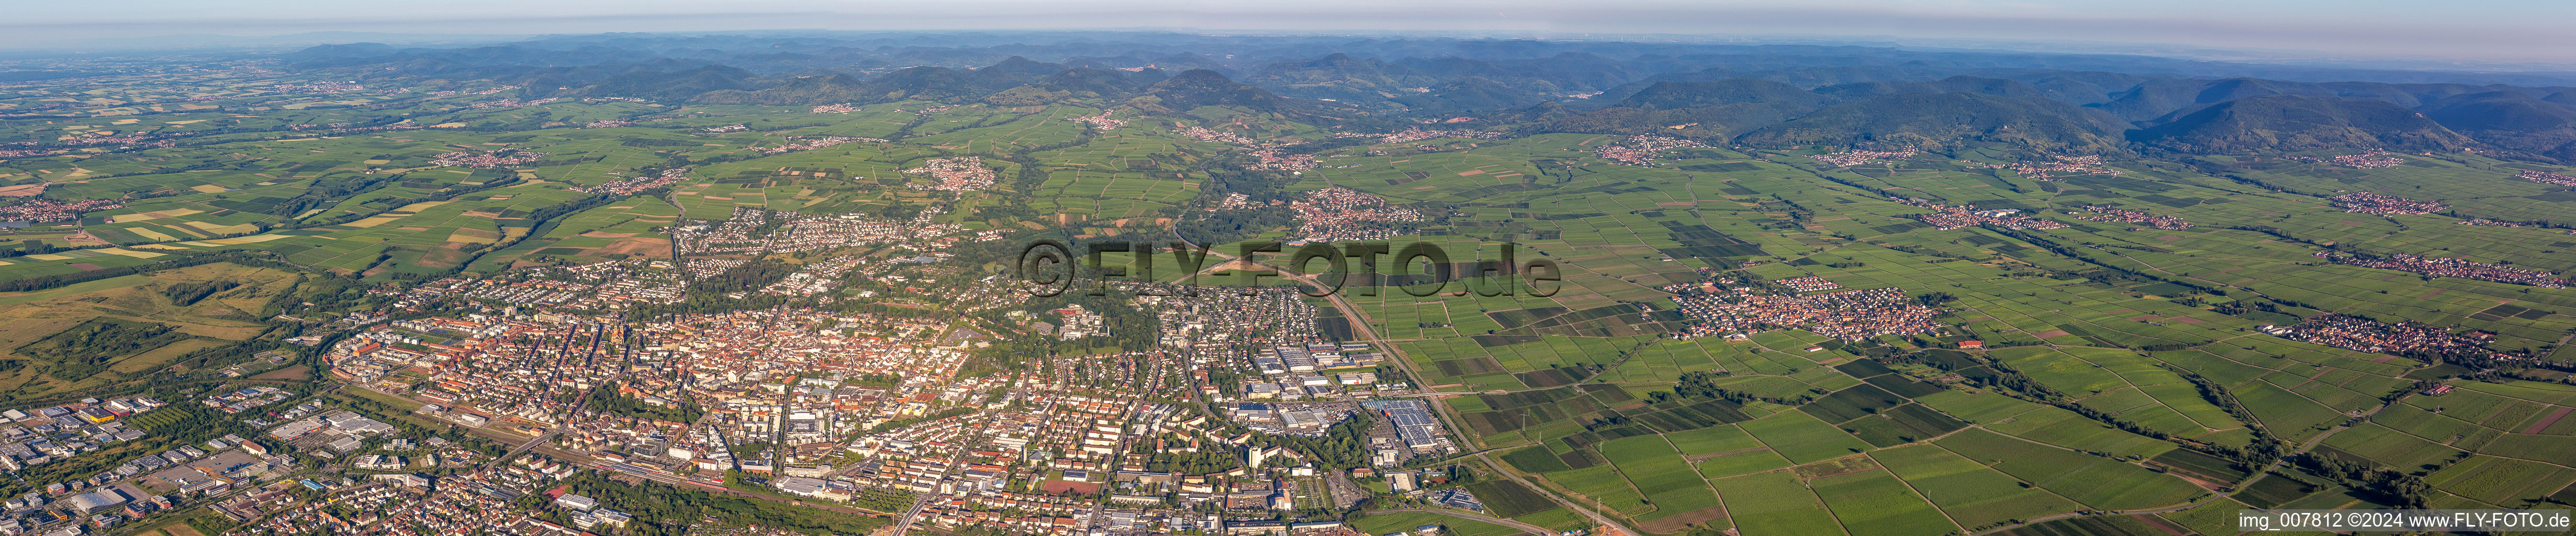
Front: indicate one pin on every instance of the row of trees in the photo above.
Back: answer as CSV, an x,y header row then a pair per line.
x,y
1344,445
31,247
1210,458
666,510
2387,486
252,258
2258,452
387,413
760,272
186,293
606,399
1702,384
188,424
88,348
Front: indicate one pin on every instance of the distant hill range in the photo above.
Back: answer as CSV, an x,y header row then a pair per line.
x,y
1757,95
2297,122
1942,120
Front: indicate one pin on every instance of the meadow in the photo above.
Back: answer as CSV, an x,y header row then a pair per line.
x,y
2109,353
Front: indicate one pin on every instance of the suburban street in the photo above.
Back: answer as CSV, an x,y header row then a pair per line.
x,y
1360,323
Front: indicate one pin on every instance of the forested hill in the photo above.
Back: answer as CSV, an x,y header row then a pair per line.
x,y
1748,94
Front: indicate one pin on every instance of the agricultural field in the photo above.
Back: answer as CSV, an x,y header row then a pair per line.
x,y
1971,494
1873,503
1389,523
2088,479
165,328
1773,504
1733,338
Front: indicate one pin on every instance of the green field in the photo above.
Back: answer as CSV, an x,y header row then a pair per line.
x,y
1773,504
1394,522
2075,365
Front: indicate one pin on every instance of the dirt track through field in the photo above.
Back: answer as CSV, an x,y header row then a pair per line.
x,y
1717,454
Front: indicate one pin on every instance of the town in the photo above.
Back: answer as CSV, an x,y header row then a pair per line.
x,y
1856,157
957,174
2058,168
868,411
2116,214
2372,203
558,383
1342,214
1061,283
1641,150
495,159
2371,159
1847,315
1947,217
2448,267
2406,337
41,209
2545,177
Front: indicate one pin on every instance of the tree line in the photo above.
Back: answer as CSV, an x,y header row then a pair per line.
x,y
188,293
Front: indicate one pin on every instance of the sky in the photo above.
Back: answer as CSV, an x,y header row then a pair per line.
x,y
2481,32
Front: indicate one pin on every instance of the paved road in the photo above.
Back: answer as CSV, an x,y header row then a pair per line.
x,y
904,523
1615,529
550,432
1361,326
586,460
530,444
1532,529
1344,492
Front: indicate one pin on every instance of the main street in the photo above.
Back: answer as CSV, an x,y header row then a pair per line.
x,y
904,523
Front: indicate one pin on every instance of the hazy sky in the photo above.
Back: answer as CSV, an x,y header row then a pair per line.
x,y
2480,31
